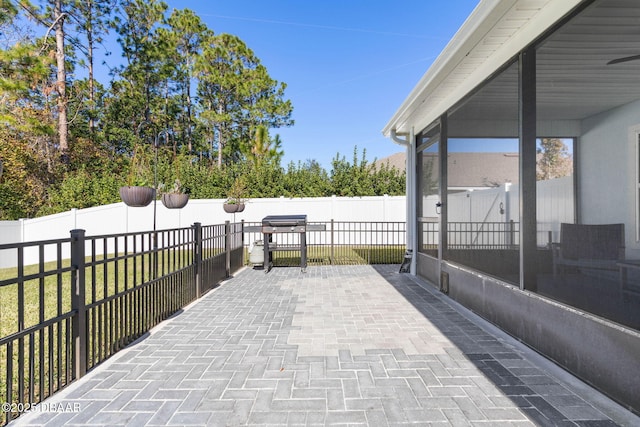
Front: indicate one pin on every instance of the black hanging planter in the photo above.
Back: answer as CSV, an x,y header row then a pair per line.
x,y
137,197
175,200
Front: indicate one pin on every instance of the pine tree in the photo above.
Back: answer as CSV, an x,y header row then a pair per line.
x,y
554,159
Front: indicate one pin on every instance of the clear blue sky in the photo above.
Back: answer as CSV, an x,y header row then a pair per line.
x,y
348,64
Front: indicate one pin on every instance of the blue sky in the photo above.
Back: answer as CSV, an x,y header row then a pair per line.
x,y
348,64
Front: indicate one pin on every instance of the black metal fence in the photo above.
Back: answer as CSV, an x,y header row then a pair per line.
x,y
341,243
97,294
59,319
471,235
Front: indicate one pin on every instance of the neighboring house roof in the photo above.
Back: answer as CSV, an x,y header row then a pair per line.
x,y
495,32
465,170
470,170
397,160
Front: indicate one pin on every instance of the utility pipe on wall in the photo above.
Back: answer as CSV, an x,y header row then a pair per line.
x,y
411,191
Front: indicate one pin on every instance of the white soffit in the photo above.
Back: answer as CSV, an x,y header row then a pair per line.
x,y
493,34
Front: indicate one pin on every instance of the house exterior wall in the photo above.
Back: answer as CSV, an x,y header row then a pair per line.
x,y
608,190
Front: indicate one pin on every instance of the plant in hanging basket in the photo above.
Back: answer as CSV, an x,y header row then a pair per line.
x,y
230,207
137,193
137,196
235,197
175,201
177,198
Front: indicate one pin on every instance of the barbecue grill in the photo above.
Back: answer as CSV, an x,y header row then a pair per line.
x,y
284,224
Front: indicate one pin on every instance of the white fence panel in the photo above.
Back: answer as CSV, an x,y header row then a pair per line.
x,y
110,217
490,205
429,206
459,207
555,206
118,218
10,231
48,227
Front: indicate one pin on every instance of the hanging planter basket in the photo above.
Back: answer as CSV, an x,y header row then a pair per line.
x,y
137,197
175,200
231,207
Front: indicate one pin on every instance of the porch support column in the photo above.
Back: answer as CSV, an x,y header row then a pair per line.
x,y
528,220
443,241
412,200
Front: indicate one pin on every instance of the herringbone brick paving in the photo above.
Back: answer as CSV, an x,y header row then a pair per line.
x,y
351,345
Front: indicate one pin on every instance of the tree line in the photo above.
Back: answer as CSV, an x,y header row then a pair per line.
x,y
195,107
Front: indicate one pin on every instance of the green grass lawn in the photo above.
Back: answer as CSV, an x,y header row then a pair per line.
x,y
342,255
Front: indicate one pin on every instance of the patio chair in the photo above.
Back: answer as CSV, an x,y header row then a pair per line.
x,y
589,246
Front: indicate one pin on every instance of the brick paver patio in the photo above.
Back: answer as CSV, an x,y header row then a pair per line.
x,y
354,345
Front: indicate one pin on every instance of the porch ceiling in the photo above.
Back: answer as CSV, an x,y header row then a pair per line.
x,y
571,60
574,80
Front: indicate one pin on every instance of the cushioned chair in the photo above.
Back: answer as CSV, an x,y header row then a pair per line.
x,y
592,246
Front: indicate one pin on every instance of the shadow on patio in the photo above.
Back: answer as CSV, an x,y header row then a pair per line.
x,y
358,345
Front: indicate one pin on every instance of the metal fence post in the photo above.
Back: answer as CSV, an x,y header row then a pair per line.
x,y
512,232
331,258
197,256
227,247
78,303
242,241
369,245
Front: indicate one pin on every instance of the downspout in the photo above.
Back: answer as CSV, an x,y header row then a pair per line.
x,y
410,166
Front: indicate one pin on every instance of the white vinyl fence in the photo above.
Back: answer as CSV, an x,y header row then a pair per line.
x,y
491,207
118,218
494,211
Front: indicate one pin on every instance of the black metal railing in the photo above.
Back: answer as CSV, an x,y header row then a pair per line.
x,y
60,318
70,304
471,235
97,294
341,243
483,235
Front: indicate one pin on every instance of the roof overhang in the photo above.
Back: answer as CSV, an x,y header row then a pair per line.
x,y
494,33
